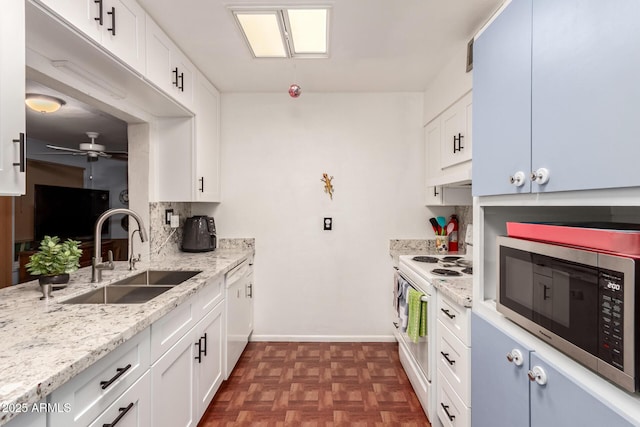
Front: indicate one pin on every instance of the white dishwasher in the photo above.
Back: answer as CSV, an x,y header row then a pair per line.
x,y
239,320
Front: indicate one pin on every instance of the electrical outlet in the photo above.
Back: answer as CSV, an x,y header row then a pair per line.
x,y
175,221
168,213
328,223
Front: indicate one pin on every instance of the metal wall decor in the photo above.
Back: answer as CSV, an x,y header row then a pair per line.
x,y
328,186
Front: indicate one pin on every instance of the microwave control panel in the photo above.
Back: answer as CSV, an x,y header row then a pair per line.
x,y
611,299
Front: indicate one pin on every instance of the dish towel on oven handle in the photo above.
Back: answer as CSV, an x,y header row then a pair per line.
x,y
417,326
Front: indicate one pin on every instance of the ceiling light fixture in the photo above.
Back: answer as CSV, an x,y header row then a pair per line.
x,y
285,32
43,103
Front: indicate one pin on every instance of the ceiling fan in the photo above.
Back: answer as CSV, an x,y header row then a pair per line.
x,y
92,150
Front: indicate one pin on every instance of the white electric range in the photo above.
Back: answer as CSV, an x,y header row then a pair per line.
x,y
418,359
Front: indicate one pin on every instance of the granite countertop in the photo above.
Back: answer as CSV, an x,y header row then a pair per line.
x,y
46,343
459,291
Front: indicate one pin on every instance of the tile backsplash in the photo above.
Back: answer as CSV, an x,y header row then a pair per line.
x,y
164,240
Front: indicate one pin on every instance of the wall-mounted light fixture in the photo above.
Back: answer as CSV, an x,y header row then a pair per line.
x,y
43,103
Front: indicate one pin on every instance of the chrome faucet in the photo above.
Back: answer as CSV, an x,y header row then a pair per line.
x,y
133,260
96,264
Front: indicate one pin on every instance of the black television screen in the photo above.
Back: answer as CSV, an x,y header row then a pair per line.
x,y
68,212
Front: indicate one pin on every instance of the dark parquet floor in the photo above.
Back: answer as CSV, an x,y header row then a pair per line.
x,y
316,384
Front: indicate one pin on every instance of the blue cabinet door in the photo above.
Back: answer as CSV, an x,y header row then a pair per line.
x,y
561,402
499,388
585,92
502,102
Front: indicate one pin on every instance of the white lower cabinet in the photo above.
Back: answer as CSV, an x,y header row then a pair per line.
x,y
239,319
29,419
209,370
453,361
172,385
93,391
132,409
188,348
185,379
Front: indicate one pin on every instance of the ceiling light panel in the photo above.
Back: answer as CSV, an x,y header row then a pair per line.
x,y
308,30
263,32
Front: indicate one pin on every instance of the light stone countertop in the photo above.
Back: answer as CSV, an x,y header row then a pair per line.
x,y
459,291
45,343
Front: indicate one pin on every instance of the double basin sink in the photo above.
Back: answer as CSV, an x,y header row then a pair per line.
x,y
136,289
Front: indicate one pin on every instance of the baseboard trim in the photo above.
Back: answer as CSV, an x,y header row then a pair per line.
x,y
323,338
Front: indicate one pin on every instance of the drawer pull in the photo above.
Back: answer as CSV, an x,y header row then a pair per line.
x,y
446,357
123,412
120,372
446,411
449,315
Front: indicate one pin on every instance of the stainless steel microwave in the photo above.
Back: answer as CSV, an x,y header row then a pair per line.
x,y
580,301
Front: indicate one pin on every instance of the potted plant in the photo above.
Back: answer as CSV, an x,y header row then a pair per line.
x,y
54,261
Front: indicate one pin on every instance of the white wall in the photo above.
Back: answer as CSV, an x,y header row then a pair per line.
x,y
310,283
450,84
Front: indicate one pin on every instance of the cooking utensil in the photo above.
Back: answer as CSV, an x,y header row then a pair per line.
x,y
442,222
450,227
436,227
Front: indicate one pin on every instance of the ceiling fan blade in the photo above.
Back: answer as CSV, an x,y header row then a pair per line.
x,y
72,150
122,156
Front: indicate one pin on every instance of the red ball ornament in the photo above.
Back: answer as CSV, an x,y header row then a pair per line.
x,y
295,90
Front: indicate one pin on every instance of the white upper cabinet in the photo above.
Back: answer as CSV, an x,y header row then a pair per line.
x,y
12,90
189,151
456,133
118,25
167,67
448,145
207,142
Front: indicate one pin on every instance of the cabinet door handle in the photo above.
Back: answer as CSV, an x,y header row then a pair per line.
x,y
119,373
458,140
181,87
175,77
249,292
21,141
515,357
435,191
446,411
100,17
113,21
449,315
199,356
204,338
446,357
538,375
123,412
517,179
201,184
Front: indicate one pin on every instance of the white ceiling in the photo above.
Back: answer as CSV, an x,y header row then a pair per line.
x,y
375,45
67,127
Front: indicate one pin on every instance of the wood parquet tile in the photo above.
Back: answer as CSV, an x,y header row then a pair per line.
x,y
316,385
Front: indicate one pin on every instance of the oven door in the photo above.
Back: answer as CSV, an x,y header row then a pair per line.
x,y
420,350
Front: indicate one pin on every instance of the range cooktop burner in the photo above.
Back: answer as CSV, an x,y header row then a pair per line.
x,y
451,258
445,272
468,270
428,259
